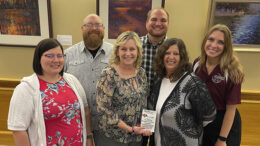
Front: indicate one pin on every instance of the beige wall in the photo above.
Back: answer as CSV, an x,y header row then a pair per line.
x,y
188,20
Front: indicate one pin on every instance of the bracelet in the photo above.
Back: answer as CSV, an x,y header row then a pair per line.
x,y
133,130
222,138
90,136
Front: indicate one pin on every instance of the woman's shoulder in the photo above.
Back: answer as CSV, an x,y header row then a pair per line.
x,y
195,80
191,77
141,71
27,88
30,82
196,60
68,75
109,70
71,79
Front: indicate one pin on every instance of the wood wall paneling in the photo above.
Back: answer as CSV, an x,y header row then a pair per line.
x,y
249,110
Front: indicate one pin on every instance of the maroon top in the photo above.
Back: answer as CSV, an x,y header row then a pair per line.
x,y
223,92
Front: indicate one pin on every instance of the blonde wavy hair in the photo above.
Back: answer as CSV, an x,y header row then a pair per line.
x,y
122,39
228,61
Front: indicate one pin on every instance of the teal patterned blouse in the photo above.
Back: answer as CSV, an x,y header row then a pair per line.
x,y
118,99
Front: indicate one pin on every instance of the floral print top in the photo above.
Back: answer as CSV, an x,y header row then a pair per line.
x,y
118,99
62,116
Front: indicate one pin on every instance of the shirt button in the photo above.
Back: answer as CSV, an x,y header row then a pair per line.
x,y
93,81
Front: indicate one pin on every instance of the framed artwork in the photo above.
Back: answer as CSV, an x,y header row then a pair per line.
x,y
122,15
243,19
24,22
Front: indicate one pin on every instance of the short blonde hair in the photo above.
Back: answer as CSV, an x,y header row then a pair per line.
x,y
122,39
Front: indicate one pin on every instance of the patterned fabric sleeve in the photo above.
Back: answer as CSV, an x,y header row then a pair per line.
x,y
104,94
202,104
146,88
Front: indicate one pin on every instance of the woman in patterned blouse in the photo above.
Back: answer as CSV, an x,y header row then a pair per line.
x,y
121,95
49,107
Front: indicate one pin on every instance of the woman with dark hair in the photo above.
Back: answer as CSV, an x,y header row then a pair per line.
x,y
49,107
219,67
181,100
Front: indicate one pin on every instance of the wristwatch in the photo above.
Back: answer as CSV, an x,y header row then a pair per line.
x,y
222,138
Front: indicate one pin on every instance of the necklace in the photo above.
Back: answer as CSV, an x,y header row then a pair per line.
x,y
126,73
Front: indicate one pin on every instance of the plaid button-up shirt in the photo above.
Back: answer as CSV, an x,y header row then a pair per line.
x,y
149,52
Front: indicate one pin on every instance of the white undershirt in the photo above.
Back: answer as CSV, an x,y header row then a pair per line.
x,y
165,90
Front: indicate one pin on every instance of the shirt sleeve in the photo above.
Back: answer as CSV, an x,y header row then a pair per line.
x,y
21,108
233,93
203,106
104,94
146,88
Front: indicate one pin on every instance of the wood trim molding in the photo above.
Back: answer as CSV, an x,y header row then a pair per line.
x,y
245,94
250,95
9,83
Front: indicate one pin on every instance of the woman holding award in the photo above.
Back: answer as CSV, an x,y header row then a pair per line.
x,y
122,92
181,100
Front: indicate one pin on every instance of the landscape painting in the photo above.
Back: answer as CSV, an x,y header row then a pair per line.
x,y
242,18
127,15
19,17
122,15
24,22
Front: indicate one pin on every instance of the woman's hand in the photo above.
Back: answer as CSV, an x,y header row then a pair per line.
x,y
90,142
147,132
220,143
142,131
138,130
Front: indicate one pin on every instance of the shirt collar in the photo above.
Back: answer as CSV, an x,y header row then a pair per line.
x,y
216,69
149,42
84,48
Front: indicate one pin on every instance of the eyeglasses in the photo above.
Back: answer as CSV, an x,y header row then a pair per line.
x,y
51,56
89,25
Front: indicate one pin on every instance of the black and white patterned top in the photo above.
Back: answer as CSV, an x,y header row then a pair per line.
x,y
186,110
149,52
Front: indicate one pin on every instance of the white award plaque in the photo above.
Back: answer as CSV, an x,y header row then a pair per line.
x,y
148,119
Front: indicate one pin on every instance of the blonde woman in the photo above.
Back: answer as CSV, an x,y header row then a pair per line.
x,y
220,69
121,95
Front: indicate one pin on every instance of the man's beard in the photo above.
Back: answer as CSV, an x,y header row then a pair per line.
x,y
156,35
93,41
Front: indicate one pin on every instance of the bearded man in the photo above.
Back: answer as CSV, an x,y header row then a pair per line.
x,y
86,59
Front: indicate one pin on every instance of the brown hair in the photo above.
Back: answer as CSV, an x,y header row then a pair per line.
x,y
150,12
184,64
